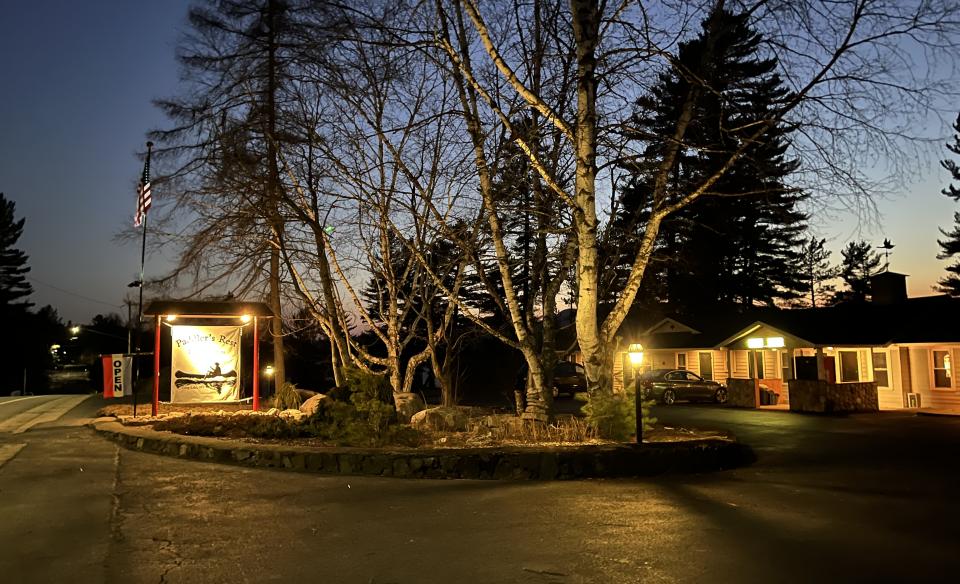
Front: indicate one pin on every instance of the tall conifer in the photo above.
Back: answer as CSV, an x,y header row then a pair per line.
x,y
740,243
13,262
950,247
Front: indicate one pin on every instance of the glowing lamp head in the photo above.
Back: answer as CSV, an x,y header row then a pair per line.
x,y
245,318
74,330
268,370
171,317
636,354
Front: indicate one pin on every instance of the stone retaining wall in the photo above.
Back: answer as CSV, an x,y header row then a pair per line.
x,y
825,397
477,463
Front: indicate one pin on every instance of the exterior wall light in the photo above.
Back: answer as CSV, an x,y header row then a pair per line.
x,y
245,318
171,317
767,343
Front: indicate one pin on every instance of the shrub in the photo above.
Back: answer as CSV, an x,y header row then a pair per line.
x,y
365,418
230,426
613,415
287,397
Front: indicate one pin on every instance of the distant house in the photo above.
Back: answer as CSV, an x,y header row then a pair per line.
x,y
893,352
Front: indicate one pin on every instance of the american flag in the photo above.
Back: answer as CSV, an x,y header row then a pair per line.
x,y
144,197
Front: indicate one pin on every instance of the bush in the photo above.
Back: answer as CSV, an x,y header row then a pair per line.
x,y
287,397
365,418
613,415
230,426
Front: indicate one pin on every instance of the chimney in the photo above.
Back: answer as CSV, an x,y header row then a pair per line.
x,y
888,288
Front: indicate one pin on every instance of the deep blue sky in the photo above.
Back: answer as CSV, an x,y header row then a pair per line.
x,y
76,82
75,102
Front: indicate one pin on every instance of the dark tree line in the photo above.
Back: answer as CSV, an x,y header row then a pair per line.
x,y
28,335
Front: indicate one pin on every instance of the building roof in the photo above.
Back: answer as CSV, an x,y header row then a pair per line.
x,y
929,319
203,308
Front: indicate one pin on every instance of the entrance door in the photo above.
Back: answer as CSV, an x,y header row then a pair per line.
x,y
706,365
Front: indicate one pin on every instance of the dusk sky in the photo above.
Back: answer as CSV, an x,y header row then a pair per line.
x,y
77,83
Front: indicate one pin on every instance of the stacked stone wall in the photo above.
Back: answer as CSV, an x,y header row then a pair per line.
x,y
742,393
823,397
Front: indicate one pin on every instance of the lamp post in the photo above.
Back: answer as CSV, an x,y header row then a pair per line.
x,y
269,371
635,352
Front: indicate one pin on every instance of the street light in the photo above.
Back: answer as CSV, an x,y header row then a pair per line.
x,y
635,351
269,371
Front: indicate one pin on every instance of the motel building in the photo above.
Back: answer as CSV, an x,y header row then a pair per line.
x,y
891,353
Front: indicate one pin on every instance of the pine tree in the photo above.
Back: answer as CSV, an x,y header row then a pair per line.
x,y
950,247
740,243
860,261
817,269
13,262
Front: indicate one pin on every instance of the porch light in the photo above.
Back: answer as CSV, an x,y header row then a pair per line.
x,y
768,343
245,318
635,350
268,370
171,317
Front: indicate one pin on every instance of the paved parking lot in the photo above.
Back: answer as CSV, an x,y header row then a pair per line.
x,y
856,499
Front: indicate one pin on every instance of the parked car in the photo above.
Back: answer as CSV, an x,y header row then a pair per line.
x,y
671,385
568,378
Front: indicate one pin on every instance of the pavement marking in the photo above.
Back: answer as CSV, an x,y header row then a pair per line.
x,y
46,412
10,401
8,451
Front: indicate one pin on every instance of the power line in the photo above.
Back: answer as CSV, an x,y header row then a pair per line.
x,y
70,293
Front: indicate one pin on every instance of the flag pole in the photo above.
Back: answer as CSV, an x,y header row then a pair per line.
x,y
143,258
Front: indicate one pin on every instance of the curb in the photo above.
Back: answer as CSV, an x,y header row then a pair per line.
x,y
554,463
938,414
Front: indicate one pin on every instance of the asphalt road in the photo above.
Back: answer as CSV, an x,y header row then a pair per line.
x,y
858,499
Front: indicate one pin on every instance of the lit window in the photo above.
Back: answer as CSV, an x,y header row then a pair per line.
x,y
942,375
681,360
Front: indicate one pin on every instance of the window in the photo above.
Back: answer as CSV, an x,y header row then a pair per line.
x,y
880,373
758,363
849,368
942,376
786,370
681,360
706,365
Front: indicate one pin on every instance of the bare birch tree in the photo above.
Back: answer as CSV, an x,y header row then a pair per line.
x,y
844,61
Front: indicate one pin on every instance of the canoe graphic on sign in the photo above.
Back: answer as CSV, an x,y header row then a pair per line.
x,y
205,364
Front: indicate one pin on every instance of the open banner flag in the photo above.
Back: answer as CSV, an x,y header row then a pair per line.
x,y
205,364
117,376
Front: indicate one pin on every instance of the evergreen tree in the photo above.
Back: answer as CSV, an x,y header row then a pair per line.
x,y
860,261
13,262
817,269
740,242
950,247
